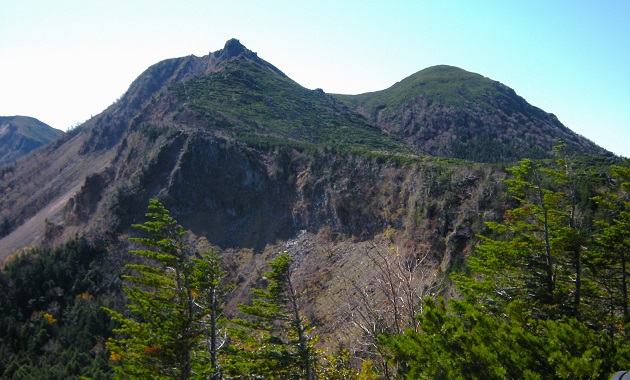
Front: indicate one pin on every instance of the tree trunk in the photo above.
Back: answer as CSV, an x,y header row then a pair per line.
x,y
303,348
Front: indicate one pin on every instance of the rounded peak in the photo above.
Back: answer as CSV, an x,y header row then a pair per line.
x,y
445,70
442,68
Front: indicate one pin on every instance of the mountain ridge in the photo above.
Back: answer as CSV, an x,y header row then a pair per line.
x,y
367,195
133,149
20,135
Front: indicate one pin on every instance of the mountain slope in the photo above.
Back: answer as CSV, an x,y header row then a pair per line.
x,y
448,112
100,176
254,164
251,100
229,94
21,134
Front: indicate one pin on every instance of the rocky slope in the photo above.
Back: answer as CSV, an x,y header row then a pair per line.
x,y
21,134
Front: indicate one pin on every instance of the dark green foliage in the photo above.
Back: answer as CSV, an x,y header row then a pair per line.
x,y
537,253
544,298
275,342
173,303
611,259
51,324
460,341
153,132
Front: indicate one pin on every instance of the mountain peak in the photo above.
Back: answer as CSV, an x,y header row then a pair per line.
x,y
232,48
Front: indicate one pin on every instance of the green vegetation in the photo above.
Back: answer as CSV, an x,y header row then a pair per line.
x,y
461,341
276,341
546,296
445,111
20,134
446,85
253,102
175,299
32,128
173,327
51,323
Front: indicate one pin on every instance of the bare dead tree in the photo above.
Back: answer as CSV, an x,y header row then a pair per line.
x,y
390,301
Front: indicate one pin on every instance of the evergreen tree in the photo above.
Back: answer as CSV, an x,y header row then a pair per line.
x,y
51,324
462,341
535,254
611,262
208,278
523,313
163,335
276,341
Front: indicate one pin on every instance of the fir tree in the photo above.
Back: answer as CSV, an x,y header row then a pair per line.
x,y
276,340
162,336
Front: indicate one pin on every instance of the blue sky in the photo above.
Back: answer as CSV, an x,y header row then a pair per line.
x,y
63,61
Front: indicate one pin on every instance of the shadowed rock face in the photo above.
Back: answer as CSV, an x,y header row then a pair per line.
x,y
21,134
232,48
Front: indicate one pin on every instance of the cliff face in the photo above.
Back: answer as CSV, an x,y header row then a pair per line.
x,y
247,159
239,196
328,209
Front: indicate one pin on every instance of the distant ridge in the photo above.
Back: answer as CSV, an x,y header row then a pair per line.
x,y
21,134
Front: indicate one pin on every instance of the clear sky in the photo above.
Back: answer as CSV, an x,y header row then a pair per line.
x,y
63,61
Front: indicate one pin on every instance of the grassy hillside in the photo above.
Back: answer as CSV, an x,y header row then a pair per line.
x,y
447,85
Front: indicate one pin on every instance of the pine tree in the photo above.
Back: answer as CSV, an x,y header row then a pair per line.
x,y
536,252
462,341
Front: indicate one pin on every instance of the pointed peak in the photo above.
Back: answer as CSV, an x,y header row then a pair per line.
x,y
233,48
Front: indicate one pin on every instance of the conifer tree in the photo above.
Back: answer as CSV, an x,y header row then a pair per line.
x,y
612,261
522,314
208,279
462,341
276,342
162,335
535,253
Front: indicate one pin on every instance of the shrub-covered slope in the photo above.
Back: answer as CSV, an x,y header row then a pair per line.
x,y
449,112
